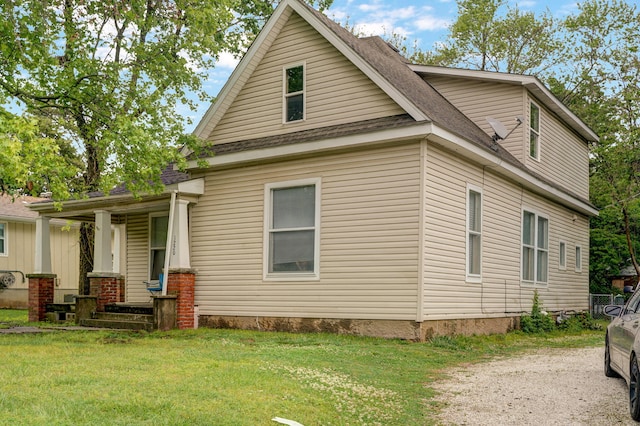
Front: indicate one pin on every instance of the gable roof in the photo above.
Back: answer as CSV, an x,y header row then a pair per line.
x,y
402,82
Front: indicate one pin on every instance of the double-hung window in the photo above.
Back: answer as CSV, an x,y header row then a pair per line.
x,y
578,259
474,234
292,229
294,87
562,256
3,239
534,131
535,249
158,225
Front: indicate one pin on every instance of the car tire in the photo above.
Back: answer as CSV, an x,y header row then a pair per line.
x,y
634,389
608,371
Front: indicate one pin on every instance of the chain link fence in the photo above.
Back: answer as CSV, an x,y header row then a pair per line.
x,y
597,302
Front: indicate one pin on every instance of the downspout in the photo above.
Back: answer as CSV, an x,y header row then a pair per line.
x,y
167,256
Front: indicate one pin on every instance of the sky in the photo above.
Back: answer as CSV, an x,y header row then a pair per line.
x,y
422,21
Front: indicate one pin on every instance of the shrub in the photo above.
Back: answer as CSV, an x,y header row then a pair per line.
x,y
578,322
538,321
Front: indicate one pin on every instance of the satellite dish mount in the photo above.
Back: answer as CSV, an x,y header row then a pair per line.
x,y
501,132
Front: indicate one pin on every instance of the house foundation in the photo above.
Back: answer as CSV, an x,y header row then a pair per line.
x,y
407,330
41,288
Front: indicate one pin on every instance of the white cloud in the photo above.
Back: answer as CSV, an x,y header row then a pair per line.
x,y
431,23
227,60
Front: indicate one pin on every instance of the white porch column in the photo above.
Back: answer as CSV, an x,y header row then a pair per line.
x,y
43,246
179,255
102,261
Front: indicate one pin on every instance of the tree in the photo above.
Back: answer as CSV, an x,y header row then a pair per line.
x,y
485,39
603,87
108,75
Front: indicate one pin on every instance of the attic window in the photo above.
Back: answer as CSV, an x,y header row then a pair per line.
x,y
294,93
534,131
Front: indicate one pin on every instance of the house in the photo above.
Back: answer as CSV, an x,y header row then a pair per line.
x,y
17,251
350,191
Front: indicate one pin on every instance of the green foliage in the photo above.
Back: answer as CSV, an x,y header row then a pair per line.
x,y
486,37
579,322
538,321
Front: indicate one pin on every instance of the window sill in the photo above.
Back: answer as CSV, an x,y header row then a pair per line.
x,y
291,277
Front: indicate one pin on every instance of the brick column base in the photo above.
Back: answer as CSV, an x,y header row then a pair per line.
x,y
182,283
108,288
40,293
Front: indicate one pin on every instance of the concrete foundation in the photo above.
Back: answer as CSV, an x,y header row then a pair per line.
x,y
407,330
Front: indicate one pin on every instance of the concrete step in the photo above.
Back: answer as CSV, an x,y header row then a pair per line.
x,y
117,324
119,316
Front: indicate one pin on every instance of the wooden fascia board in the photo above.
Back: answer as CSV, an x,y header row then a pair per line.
x,y
188,190
406,133
531,83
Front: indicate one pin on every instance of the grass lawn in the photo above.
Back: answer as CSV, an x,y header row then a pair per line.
x,y
224,377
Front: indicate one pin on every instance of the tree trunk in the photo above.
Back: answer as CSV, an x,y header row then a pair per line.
x,y
86,256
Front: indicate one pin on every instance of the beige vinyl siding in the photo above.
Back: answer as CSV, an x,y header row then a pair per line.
x,y
564,157
479,100
446,294
368,239
21,239
336,91
138,257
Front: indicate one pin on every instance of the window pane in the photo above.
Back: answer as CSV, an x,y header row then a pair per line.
x,y
541,275
294,207
527,264
157,263
474,254
295,108
295,82
291,251
578,258
159,226
528,228
2,243
475,208
533,145
2,231
534,118
543,233
563,254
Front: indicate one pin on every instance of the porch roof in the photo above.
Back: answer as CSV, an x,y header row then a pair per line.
x,y
121,201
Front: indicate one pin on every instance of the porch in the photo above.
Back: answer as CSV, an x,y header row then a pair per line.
x,y
118,279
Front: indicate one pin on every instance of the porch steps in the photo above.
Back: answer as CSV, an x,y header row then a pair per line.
x,y
124,317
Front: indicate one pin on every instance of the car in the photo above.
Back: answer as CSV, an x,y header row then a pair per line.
x,y
622,348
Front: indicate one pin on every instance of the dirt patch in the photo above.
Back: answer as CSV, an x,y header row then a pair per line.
x,y
548,387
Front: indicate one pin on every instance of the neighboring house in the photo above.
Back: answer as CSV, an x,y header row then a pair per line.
x,y
350,191
17,251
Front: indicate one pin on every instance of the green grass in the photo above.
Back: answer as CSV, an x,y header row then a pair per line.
x,y
224,377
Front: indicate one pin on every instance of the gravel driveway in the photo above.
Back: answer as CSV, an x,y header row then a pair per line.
x,y
547,387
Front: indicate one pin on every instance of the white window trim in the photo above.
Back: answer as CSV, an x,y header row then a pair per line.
x,y
291,276
578,259
473,278
6,240
285,95
539,131
562,260
149,247
535,283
